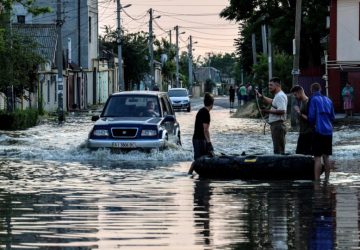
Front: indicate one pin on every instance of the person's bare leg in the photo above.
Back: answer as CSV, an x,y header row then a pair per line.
x,y
317,168
327,165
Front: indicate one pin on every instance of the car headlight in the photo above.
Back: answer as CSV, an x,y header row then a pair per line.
x,y
101,132
148,132
185,101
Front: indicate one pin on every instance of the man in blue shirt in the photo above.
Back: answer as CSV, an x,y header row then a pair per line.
x,y
321,115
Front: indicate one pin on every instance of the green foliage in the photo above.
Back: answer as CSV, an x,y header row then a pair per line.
x,y
18,54
282,65
280,16
30,5
168,67
224,62
134,52
184,69
20,119
18,64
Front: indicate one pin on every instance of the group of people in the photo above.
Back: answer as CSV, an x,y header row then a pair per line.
x,y
316,115
244,93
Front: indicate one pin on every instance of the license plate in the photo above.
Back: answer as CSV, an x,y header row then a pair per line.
x,y
123,145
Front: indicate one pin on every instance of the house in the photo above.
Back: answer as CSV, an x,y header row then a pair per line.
x,y
343,62
45,36
87,80
202,74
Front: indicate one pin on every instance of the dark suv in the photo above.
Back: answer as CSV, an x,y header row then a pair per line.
x,y
135,119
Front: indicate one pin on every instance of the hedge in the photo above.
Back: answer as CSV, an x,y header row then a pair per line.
x,y
20,119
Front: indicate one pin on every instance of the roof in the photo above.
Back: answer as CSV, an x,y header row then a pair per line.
x,y
178,89
140,92
203,73
43,34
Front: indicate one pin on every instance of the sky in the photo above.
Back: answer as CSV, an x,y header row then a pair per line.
x,y
198,18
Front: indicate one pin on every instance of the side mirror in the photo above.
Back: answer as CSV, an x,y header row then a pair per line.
x,y
190,96
169,118
94,118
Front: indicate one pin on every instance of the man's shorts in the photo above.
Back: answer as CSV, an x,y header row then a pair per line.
x,y
322,145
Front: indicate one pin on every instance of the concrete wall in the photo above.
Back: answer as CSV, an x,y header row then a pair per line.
x,y
348,43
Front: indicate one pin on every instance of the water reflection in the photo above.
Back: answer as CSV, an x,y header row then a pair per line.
x,y
55,194
276,215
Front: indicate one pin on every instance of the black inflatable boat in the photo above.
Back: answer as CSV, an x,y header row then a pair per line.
x,y
257,167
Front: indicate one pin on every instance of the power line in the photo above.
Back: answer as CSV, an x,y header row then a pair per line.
x,y
206,33
182,14
216,39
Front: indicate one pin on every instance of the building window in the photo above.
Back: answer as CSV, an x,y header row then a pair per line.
x,y
89,29
21,19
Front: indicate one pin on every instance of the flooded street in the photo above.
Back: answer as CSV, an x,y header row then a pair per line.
x,y
56,194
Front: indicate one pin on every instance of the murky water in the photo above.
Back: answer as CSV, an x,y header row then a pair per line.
x,y
55,194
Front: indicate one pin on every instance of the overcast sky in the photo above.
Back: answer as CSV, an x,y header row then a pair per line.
x,y
198,18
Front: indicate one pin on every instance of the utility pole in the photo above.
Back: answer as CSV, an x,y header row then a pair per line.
x,y
296,52
296,43
190,63
269,53
170,37
264,37
177,55
151,50
59,63
253,44
121,85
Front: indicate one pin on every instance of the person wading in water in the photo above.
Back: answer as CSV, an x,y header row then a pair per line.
x,y
201,137
277,114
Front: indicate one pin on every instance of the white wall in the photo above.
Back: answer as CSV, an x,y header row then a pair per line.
x,y
348,43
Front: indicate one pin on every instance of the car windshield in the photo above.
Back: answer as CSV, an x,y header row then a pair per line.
x,y
131,106
177,92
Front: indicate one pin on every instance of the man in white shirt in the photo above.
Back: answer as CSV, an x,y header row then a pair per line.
x,y
277,114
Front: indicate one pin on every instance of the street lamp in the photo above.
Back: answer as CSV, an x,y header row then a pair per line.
x,y
121,84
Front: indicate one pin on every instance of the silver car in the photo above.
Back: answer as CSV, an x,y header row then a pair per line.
x,y
180,98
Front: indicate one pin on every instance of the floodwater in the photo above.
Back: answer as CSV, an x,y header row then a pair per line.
x,y
55,194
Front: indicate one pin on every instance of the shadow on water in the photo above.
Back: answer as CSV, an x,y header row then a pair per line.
x,y
275,215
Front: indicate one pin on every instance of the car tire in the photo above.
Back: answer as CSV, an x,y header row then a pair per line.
x,y
163,147
188,109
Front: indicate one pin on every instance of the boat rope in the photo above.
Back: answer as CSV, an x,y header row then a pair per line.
x,y
262,117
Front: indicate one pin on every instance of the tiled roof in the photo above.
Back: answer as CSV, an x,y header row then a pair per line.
x,y
44,34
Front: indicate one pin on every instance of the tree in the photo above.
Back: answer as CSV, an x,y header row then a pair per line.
x,y
135,54
282,65
280,16
184,69
226,63
19,58
18,65
30,5
165,53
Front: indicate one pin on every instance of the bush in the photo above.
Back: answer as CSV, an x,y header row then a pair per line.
x,y
20,119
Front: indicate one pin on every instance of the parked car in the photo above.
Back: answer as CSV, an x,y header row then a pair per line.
x,y
180,98
135,120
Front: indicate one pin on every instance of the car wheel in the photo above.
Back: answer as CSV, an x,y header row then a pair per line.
x,y
163,147
188,109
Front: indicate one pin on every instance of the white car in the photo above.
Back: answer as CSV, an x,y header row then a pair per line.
x,y
180,98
